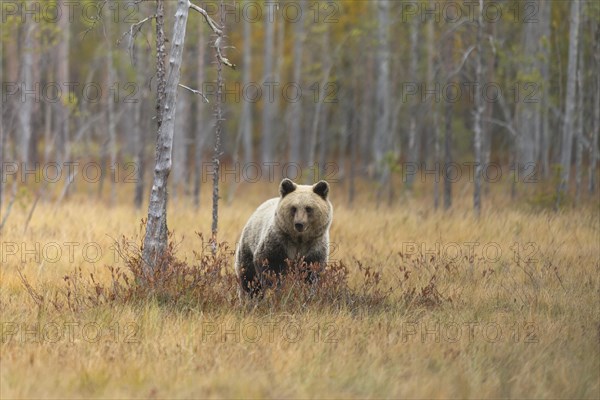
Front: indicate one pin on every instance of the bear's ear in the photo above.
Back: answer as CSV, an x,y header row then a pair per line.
x,y
286,187
322,189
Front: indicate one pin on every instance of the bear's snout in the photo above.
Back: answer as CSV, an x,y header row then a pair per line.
x,y
299,227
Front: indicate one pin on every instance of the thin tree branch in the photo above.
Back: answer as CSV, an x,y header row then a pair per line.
x,y
217,30
462,63
213,25
463,21
138,28
220,56
195,92
96,18
503,124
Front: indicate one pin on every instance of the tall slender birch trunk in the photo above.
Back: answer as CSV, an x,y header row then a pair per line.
x,y
155,241
295,128
200,130
567,133
479,109
268,103
596,123
413,148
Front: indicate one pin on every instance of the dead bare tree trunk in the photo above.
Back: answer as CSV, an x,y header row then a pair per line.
x,y
26,106
267,144
295,128
161,54
347,119
8,74
112,134
448,111
545,133
354,140
141,127
322,119
431,68
383,105
279,103
218,130
527,113
436,157
366,110
413,148
489,67
180,146
478,113
221,60
246,120
567,134
62,147
353,161
155,240
8,109
2,79
317,137
579,135
139,156
200,129
245,123
49,138
596,123
314,133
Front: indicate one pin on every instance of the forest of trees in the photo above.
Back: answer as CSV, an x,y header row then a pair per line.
x,y
339,90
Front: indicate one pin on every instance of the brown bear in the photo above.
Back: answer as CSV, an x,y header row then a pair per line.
x,y
290,227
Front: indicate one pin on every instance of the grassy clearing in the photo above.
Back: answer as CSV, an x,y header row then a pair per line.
x,y
450,307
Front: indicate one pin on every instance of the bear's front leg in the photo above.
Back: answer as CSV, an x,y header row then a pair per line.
x,y
248,280
315,263
269,263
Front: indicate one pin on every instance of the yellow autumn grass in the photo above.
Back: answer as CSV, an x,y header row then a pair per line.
x,y
519,314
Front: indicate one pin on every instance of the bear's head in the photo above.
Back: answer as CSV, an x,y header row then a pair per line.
x,y
304,210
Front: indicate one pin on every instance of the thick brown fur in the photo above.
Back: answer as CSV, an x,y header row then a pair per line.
x,y
291,227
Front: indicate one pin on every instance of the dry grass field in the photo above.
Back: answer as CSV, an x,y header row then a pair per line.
x,y
437,305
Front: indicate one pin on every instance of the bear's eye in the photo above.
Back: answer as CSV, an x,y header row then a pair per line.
x,y
294,209
308,210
